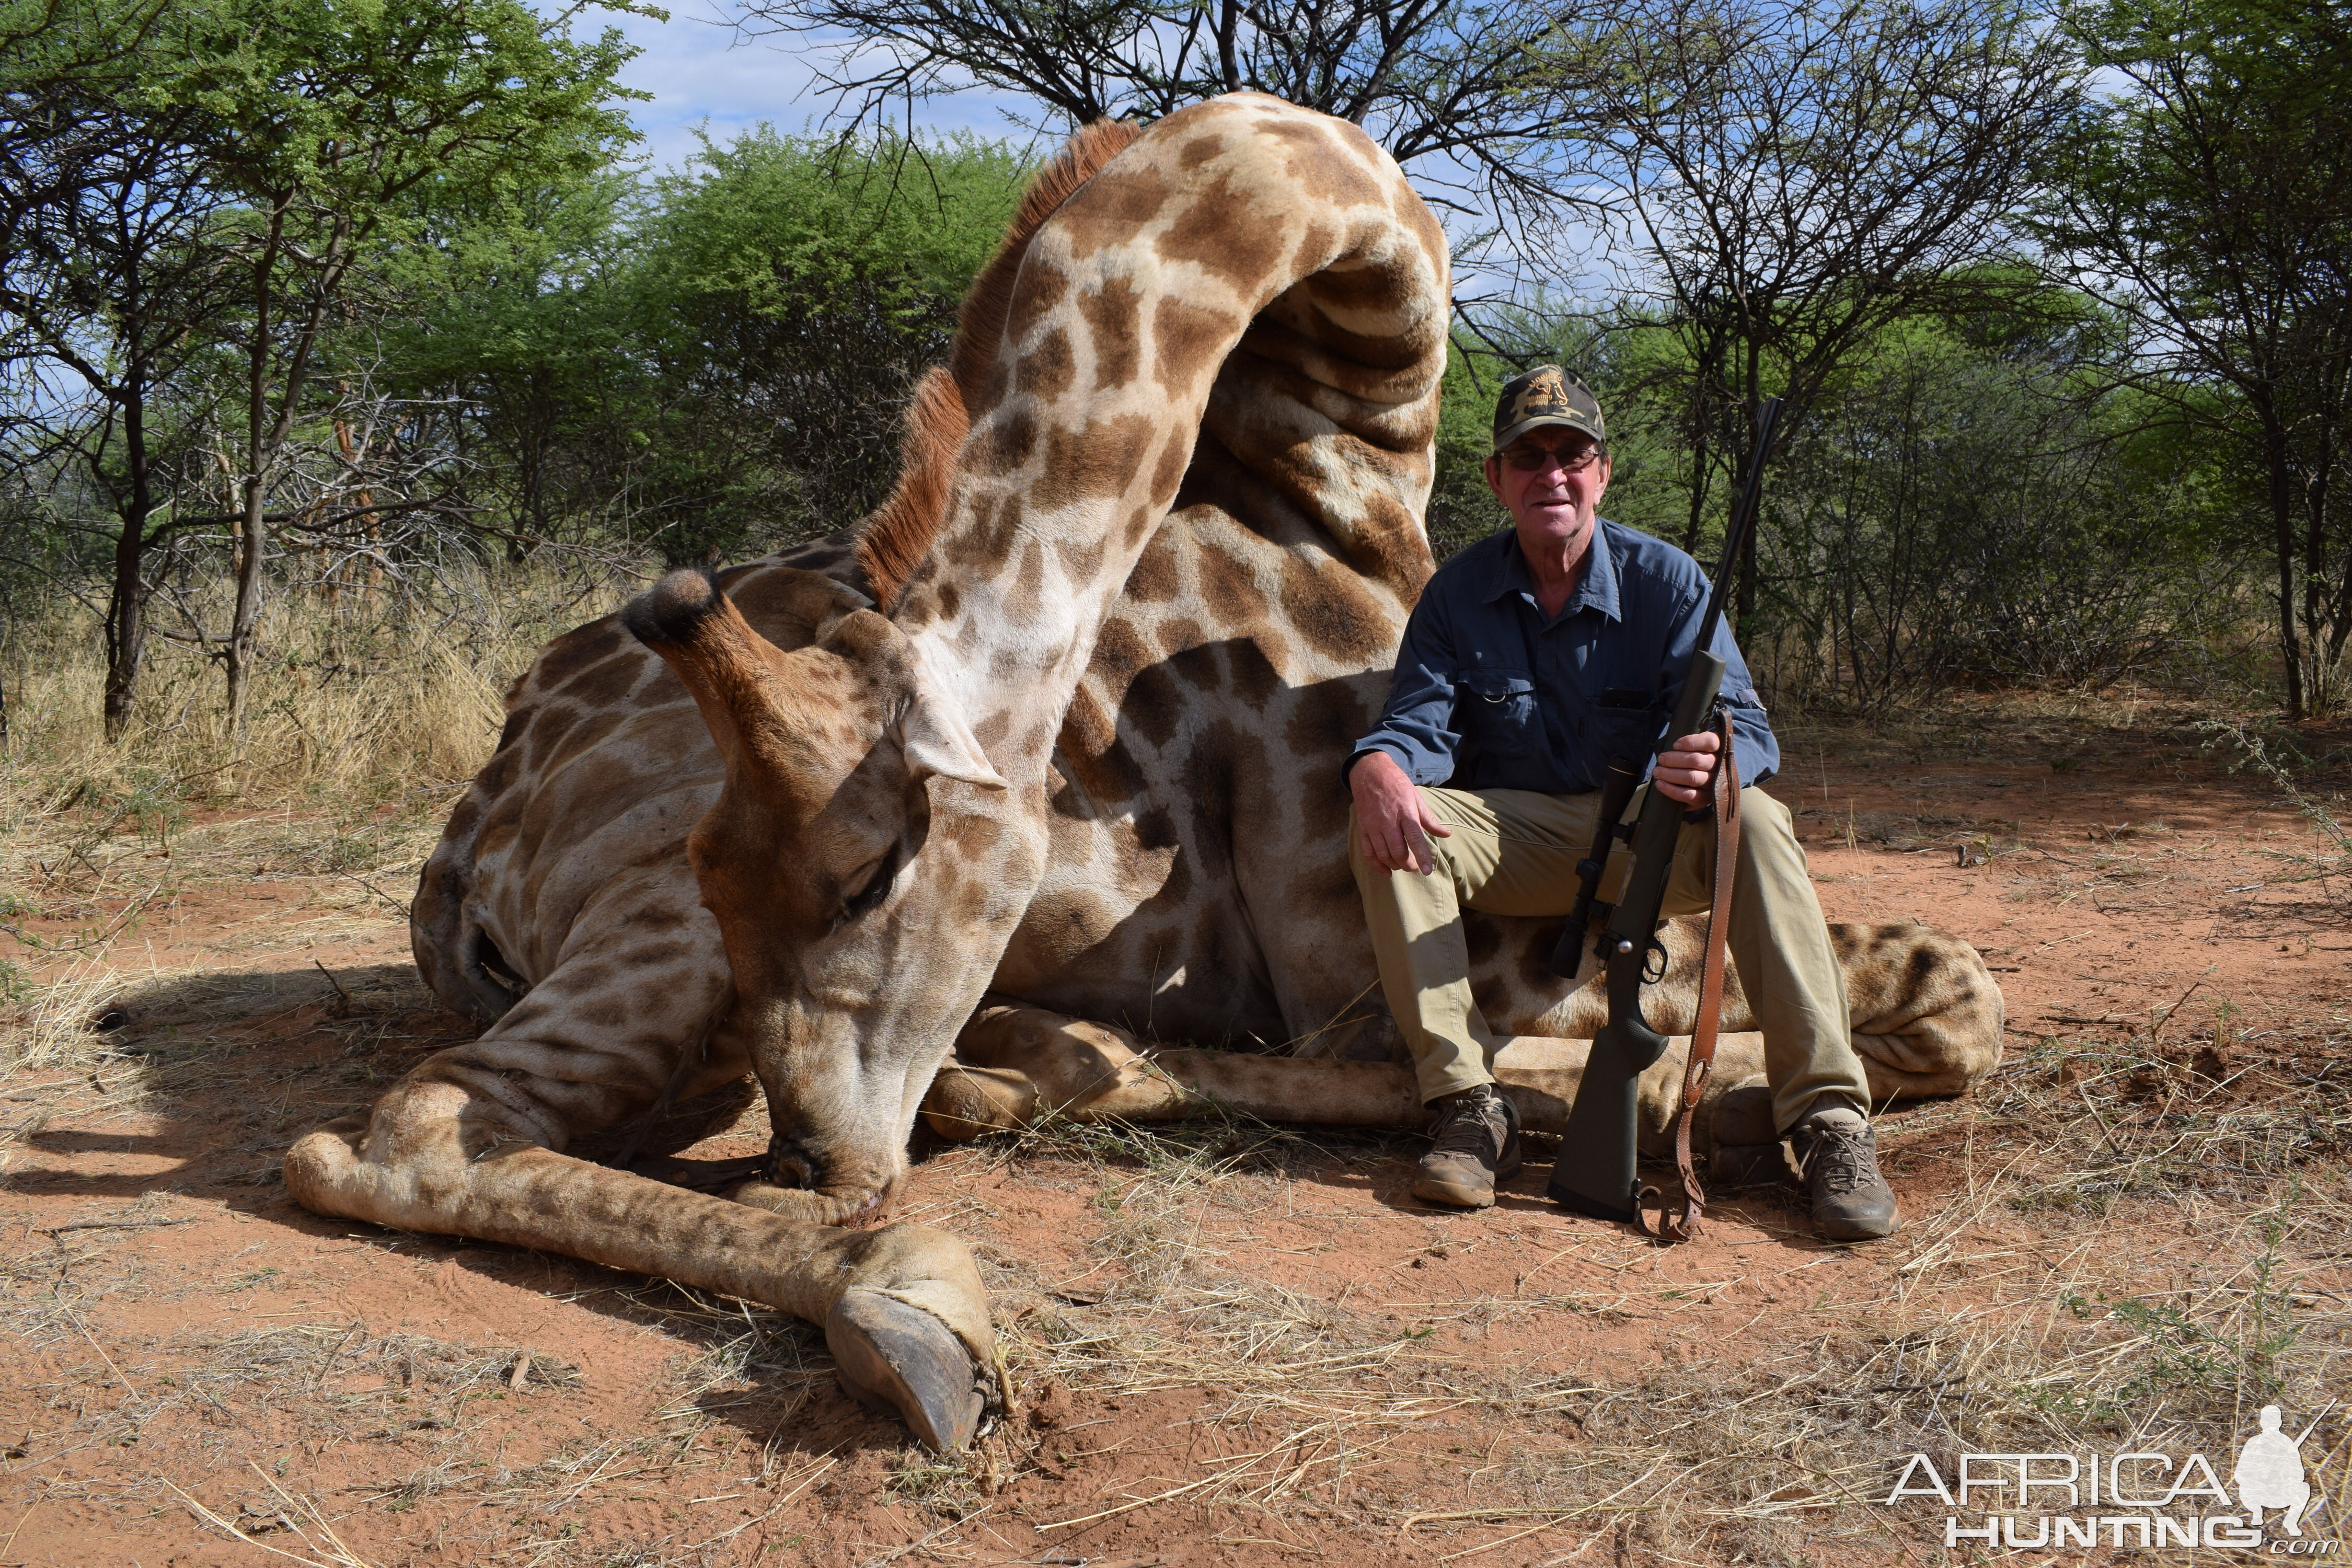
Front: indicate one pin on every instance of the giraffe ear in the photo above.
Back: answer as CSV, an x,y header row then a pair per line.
x,y
933,737
926,720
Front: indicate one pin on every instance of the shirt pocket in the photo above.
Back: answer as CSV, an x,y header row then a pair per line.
x,y
1499,711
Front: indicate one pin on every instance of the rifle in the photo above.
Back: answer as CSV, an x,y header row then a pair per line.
x,y
1594,1174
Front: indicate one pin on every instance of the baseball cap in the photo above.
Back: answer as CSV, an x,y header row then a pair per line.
x,y
1546,396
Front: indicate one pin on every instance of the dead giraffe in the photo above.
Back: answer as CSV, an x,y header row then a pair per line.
x,y
1153,598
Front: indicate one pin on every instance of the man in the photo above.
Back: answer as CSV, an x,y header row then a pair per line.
x,y
1532,658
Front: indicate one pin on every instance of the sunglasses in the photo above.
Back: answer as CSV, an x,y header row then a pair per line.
x,y
1531,460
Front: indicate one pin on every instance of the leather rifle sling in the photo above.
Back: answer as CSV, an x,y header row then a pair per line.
x,y
1682,1227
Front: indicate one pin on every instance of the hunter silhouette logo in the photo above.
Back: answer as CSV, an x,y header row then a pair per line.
x,y
2053,1502
2270,1473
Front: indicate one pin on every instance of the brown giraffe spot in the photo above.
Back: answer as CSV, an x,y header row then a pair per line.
x,y
1155,829
1207,777
1316,246
1175,453
511,733
968,905
1154,704
1231,591
1047,370
1176,635
585,737
1101,459
1213,235
500,826
555,721
1029,579
1481,936
1041,286
1326,175
506,762
462,820
1114,317
1535,956
1103,767
1081,557
973,834
1317,888
1333,612
1416,217
1004,445
1191,339
1139,522
1176,887
1121,652
1255,680
1106,213
1491,996
575,651
993,521
1156,577
606,684
1198,150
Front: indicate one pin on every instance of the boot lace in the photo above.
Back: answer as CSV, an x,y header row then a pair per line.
x,y
1845,1158
1474,1126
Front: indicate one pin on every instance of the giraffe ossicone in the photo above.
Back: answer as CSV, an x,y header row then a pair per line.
x,y
1042,754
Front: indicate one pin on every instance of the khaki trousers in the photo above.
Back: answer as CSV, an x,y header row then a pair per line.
x,y
1514,852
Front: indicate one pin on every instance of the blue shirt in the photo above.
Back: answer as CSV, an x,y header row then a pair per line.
x,y
1490,694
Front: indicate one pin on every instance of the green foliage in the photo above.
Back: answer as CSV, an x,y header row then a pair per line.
x,y
2212,198
712,362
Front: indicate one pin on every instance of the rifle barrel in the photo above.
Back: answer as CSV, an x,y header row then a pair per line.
x,y
1743,518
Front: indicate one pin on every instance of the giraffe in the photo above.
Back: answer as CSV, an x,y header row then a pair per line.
x,y
1060,725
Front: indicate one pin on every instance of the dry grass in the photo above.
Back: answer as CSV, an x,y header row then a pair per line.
x,y
2140,1239
369,694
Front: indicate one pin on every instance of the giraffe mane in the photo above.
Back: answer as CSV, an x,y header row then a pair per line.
x,y
899,534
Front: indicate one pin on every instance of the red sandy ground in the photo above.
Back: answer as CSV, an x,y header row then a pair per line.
x,y
2118,883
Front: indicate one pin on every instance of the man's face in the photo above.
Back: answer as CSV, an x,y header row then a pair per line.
x,y
1551,482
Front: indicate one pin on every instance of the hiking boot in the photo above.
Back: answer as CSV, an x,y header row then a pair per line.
x,y
1839,1158
1476,1144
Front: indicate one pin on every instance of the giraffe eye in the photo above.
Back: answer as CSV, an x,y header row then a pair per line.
x,y
867,886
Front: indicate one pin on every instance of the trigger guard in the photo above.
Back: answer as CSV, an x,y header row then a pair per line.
x,y
1654,963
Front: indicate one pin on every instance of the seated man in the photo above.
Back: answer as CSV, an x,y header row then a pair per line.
x,y
1532,658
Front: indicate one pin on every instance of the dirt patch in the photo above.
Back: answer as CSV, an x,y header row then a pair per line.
x,y
1234,1344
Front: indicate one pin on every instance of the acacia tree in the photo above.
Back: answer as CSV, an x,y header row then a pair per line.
x,y
339,131
2211,202
1448,88
1786,177
107,283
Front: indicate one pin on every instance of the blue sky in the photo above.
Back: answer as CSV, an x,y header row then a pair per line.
x,y
703,73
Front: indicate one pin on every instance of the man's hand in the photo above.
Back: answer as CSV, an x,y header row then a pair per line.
x,y
1685,768
1396,824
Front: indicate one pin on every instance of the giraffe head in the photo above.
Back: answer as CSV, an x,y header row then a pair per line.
x,y
833,754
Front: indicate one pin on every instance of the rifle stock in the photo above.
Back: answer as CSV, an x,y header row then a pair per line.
x,y
1595,1172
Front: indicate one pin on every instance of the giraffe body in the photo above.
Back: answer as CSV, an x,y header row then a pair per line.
x,y
1062,723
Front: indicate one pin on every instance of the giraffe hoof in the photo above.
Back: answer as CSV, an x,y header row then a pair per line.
x,y
899,1360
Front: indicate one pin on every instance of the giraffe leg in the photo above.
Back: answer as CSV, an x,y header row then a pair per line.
x,y
1014,1065
902,1306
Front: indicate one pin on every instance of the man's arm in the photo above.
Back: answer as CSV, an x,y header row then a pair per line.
x,y
1414,741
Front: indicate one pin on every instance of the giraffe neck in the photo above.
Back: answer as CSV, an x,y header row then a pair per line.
x,y
1243,222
